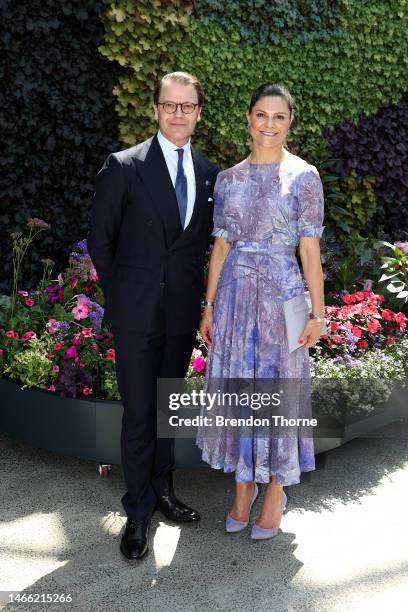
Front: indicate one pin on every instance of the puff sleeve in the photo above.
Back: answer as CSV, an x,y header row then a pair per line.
x,y
310,204
220,225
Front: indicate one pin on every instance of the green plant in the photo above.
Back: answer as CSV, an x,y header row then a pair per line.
x,y
21,243
396,272
31,366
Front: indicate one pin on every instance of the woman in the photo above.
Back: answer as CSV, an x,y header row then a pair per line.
x,y
264,207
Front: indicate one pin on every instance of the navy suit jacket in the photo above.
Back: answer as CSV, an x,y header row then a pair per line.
x,y
151,270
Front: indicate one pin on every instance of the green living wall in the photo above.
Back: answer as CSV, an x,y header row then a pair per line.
x,y
342,61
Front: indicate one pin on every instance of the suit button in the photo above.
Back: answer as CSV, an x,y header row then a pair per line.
x,y
162,285
149,223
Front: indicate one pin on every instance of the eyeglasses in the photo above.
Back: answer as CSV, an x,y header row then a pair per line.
x,y
171,107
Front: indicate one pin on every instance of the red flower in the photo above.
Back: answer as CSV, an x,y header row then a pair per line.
x,y
58,346
87,390
387,314
356,331
110,354
363,344
348,298
334,326
390,340
337,339
29,302
87,332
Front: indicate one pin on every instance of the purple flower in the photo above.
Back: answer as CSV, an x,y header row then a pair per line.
x,y
55,293
71,352
83,246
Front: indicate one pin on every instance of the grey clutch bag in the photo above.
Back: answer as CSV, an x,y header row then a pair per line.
x,y
296,311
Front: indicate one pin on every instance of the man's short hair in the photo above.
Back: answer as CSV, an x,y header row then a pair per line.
x,y
180,77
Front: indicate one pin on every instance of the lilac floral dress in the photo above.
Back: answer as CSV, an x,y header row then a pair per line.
x,y
261,210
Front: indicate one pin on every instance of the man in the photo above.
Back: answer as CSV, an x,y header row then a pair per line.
x,y
149,231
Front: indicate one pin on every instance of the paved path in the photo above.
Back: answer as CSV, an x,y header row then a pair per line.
x,y
343,545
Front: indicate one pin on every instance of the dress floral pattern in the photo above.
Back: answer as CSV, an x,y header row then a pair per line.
x,y
262,210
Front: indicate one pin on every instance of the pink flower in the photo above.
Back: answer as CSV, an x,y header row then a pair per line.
x,y
87,332
23,293
81,364
71,352
28,335
11,334
52,388
368,285
29,302
111,354
401,319
76,339
390,340
93,274
52,326
347,325
55,368
198,364
58,346
197,353
1,351
73,281
80,311
373,326
50,355
87,390
337,339
402,245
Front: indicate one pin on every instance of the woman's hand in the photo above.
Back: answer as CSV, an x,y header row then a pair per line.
x,y
311,333
207,324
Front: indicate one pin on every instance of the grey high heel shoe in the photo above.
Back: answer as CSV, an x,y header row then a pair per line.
x,y
262,533
232,525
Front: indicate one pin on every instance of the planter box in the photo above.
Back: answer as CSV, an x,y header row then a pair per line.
x,y
84,428
90,429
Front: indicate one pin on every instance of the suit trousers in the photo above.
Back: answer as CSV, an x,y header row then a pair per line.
x,y
147,461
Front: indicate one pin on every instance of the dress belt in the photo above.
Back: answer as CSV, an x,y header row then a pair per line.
x,y
263,246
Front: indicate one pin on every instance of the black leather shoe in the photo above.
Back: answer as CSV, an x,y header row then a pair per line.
x,y
135,540
173,508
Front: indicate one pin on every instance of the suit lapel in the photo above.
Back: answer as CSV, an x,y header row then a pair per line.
x,y
156,178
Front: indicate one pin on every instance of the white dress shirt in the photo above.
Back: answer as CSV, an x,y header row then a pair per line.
x,y
171,156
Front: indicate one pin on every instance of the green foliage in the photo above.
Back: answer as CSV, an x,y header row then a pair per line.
x,y
31,366
264,22
57,121
330,80
144,38
395,273
358,204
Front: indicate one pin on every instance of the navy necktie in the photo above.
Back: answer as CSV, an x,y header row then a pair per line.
x,y
181,188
